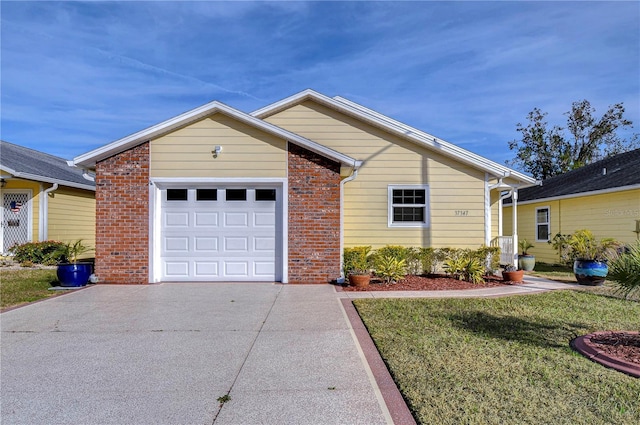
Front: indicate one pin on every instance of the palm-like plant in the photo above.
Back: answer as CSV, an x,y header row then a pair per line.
x,y
624,269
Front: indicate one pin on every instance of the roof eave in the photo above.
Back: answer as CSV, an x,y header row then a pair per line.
x,y
395,127
89,159
44,179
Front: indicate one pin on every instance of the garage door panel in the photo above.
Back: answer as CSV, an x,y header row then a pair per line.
x,y
176,244
236,268
264,244
174,269
264,219
264,268
205,244
206,269
205,219
236,244
236,219
176,219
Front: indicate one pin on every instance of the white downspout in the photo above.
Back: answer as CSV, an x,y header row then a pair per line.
x,y
515,227
342,183
44,229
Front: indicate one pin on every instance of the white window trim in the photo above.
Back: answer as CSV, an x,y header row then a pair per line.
x,y
548,223
427,216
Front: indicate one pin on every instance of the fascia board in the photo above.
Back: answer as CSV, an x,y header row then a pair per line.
x,y
578,195
35,177
89,159
7,169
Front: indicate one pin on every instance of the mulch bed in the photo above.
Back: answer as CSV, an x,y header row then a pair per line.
x,y
429,283
621,345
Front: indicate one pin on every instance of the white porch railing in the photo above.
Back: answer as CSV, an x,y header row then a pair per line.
x,y
507,251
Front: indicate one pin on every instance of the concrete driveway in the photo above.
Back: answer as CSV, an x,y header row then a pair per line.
x,y
164,354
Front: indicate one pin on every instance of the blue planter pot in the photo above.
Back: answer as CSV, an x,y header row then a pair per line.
x,y
72,275
590,272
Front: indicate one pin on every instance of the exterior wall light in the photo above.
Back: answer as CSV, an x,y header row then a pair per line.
x,y
216,151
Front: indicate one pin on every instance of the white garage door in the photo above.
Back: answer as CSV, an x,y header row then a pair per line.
x,y
221,234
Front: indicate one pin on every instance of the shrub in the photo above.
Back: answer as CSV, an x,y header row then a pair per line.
x,y
37,252
389,268
463,264
624,269
489,256
357,260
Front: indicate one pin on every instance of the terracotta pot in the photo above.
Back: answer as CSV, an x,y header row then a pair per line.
x,y
359,279
515,276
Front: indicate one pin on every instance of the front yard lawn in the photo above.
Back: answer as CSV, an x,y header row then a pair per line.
x,y
19,286
504,360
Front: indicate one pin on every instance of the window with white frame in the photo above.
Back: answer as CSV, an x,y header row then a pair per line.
x,y
408,206
542,224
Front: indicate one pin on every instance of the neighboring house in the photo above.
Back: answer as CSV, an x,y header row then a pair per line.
x,y
218,194
43,198
603,197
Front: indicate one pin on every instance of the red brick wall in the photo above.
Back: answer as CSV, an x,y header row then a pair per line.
x,y
314,217
122,217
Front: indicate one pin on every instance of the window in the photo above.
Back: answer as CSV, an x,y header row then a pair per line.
x,y
542,224
176,194
236,194
206,194
265,194
408,206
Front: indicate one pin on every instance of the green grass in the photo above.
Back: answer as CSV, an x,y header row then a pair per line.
x,y
554,272
504,360
25,285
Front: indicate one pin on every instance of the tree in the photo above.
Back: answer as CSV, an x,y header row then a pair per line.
x,y
546,152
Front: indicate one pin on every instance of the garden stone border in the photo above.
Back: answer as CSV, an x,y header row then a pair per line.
x,y
584,346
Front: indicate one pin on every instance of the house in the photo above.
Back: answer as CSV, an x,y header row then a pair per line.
x,y
43,198
603,197
275,195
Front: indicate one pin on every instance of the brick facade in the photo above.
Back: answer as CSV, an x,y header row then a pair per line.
x,y
122,217
314,217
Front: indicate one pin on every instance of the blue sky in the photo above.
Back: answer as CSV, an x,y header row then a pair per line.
x,y
75,76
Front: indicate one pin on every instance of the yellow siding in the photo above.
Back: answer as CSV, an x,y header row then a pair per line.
x,y
495,211
72,216
611,215
35,200
452,185
246,151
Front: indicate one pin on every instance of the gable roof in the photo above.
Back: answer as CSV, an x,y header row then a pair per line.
x,y
31,164
89,159
397,128
619,172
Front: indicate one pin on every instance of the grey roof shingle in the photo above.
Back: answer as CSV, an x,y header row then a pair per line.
x,y
40,165
617,171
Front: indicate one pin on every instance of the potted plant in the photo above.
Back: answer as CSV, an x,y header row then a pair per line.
x,y
357,265
70,272
526,261
589,266
511,274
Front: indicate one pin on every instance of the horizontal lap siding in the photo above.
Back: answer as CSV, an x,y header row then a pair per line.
x,y
609,215
72,216
391,160
246,152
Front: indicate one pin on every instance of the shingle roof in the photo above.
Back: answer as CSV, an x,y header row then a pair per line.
x,y
35,165
610,173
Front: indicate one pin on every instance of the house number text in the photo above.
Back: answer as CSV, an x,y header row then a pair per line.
x,y
462,213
